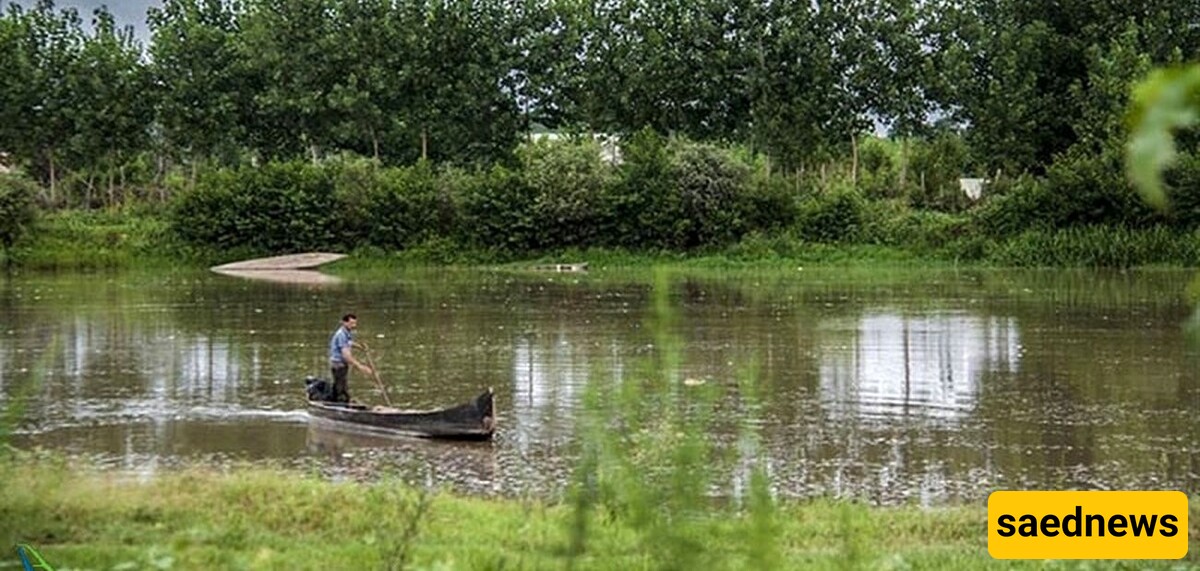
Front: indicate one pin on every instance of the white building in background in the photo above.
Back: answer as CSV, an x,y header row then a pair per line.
x,y
972,187
610,145
892,365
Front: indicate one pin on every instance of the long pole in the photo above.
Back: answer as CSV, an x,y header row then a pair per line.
x,y
375,374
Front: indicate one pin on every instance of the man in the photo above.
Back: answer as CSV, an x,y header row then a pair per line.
x,y
340,357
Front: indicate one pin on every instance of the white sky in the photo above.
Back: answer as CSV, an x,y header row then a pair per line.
x,y
126,12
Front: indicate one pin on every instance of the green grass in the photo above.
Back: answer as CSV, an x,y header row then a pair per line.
x,y
77,239
262,518
134,238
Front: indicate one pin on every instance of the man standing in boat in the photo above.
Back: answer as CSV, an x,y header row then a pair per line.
x,y
341,357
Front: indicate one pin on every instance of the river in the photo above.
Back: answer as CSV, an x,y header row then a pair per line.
x,y
895,386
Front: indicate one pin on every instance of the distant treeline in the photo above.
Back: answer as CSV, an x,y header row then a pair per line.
x,y
1024,82
1031,95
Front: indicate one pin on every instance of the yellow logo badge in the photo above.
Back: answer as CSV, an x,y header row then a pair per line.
x,y
1087,525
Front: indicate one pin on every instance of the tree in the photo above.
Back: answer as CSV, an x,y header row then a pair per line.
x,y
112,105
1015,68
203,96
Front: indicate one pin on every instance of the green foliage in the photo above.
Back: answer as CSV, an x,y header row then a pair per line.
x,y
1013,207
17,209
1089,188
837,216
72,100
769,203
934,167
1097,246
709,183
1182,192
570,183
498,212
204,99
1057,74
408,206
276,208
1168,100
646,209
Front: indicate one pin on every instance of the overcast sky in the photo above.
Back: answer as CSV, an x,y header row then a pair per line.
x,y
127,12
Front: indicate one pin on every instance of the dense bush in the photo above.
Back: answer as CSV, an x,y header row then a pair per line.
x,y
409,206
1183,192
275,208
711,186
497,212
674,195
1013,207
934,167
834,216
646,209
570,183
17,209
1091,188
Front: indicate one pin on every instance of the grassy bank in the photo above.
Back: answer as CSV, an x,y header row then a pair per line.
x,y
76,239
256,518
134,238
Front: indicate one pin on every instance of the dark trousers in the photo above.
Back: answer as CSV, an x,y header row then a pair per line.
x,y
340,392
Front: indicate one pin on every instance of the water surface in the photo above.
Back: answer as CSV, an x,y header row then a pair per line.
x,y
926,386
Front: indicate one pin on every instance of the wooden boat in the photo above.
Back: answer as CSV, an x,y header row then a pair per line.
x,y
475,420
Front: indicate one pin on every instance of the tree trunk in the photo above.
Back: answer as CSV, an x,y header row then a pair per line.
x,y
853,161
904,169
375,144
424,145
53,180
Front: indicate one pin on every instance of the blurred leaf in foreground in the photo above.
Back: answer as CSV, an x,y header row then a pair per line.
x,y
1166,101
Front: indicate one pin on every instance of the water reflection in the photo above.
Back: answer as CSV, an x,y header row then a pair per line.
x,y
889,364
292,277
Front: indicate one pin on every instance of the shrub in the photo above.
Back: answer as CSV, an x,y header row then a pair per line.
x,y
497,211
834,216
275,208
769,203
647,212
1183,192
1015,207
570,182
1090,188
935,165
409,206
17,209
710,183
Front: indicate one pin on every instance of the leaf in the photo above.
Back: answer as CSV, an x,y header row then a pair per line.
x,y
1164,102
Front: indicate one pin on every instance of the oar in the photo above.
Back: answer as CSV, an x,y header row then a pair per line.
x,y
375,373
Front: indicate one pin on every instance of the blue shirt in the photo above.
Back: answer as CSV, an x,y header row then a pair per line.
x,y
340,340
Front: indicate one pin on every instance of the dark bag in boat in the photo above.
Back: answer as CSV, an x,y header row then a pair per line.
x,y
319,389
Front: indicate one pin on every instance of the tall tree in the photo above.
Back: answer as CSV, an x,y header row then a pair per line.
x,y
113,106
200,77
